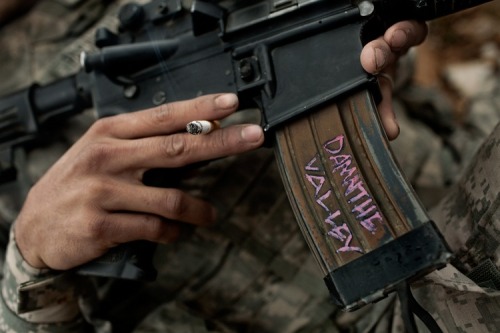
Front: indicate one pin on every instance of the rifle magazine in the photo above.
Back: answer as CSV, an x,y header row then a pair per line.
x,y
358,213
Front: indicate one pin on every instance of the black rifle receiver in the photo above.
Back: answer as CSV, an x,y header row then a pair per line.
x,y
267,52
164,52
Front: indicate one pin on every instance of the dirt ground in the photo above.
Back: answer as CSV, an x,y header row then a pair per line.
x,y
469,37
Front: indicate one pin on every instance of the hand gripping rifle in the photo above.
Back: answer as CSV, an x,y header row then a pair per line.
x,y
298,62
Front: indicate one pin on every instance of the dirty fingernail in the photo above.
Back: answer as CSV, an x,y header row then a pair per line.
x,y
399,39
380,58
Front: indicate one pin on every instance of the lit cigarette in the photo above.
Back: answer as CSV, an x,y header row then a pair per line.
x,y
202,127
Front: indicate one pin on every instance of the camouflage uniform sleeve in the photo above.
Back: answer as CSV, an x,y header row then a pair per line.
x,y
466,295
37,300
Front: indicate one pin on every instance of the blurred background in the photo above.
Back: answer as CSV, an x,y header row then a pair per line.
x,y
448,92
461,54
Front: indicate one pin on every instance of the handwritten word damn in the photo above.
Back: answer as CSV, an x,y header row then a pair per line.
x,y
355,192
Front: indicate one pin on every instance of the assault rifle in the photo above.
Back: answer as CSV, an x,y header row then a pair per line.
x,y
298,62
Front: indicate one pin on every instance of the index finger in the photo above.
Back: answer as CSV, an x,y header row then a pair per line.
x,y
171,117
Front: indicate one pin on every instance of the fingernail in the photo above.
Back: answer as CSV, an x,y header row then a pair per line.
x,y
226,101
399,39
395,129
398,129
380,58
251,133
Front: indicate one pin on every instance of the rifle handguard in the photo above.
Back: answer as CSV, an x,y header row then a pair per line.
x,y
358,213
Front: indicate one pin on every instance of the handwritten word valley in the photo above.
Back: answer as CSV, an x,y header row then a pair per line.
x,y
355,193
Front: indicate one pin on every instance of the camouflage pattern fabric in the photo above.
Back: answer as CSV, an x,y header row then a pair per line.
x,y
252,272
40,298
464,296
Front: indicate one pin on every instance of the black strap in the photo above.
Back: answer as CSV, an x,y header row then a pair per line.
x,y
410,307
486,275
